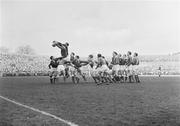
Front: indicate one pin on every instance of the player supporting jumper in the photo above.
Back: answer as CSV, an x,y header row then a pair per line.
x,y
135,67
124,68
77,64
121,69
116,67
129,67
92,69
64,51
53,66
103,70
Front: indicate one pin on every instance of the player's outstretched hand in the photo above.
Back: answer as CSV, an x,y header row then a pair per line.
x,y
54,43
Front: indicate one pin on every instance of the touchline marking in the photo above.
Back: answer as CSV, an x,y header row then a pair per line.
x,y
42,112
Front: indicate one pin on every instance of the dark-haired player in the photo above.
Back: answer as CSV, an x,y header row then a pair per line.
x,y
53,66
77,64
72,57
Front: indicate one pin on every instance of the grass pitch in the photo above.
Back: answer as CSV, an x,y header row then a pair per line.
x,y
155,101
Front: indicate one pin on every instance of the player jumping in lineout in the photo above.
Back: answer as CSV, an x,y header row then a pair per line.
x,y
63,47
64,52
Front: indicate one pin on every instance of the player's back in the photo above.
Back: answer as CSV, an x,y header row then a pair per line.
x,y
54,63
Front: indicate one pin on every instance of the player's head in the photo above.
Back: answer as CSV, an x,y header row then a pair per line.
x,y
128,53
72,54
91,56
135,54
120,55
114,53
51,57
54,43
124,56
77,57
67,44
99,55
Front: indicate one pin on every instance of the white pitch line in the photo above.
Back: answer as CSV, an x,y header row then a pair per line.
x,y
42,112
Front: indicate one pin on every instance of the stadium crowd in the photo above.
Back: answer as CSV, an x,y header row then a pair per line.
x,y
13,64
19,65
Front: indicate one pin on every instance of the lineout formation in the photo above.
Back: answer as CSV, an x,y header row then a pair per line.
x,y
122,68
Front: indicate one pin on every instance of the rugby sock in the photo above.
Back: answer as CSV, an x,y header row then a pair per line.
x,y
64,78
117,78
105,79
122,78
51,80
126,78
94,78
73,79
66,73
54,80
130,79
110,80
77,79
84,78
138,79
135,76
114,80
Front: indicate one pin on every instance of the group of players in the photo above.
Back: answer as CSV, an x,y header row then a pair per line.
x,y
122,68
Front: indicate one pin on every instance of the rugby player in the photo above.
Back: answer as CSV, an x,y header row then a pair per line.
x,y
124,69
116,67
103,70
63,47
129,66
135,67
92,69
121,69
64,52
53,66
77,64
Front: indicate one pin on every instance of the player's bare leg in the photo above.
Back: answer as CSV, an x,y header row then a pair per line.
x,y
51,79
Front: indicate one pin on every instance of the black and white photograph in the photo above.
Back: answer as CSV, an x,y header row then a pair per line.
x,y
89,63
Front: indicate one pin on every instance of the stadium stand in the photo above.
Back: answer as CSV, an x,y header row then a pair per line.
x,y
33,65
